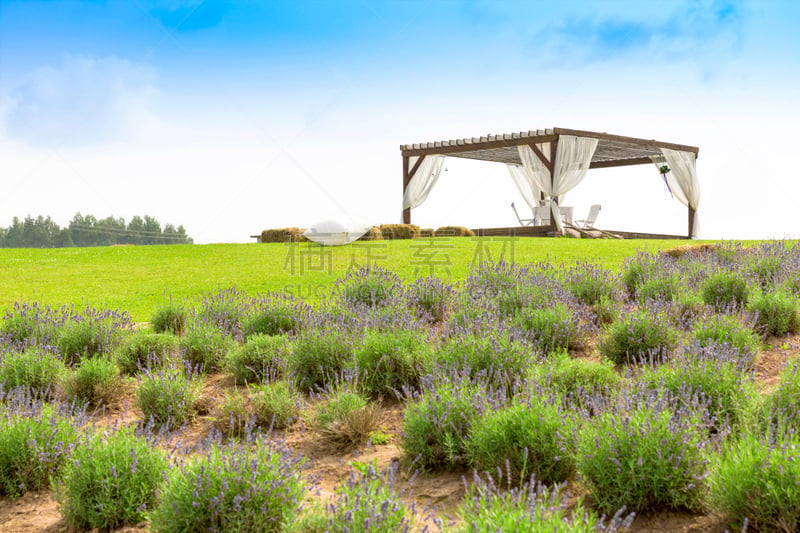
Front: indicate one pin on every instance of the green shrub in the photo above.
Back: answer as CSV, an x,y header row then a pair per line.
x,y
437,423
275,320
524,439
35,368
782,405
234,488
730,395
644,460
590,284
169,318
665,288
364,503
776,313
143,350
94,380
756,481
112,481
346,419
204,347
275,404
725,291
552,329
498,357
167,397
371,287
529,509
260,358
432,298
574,377
637,336
231,417
727,331
634,275
84,338
33,449
387,361
317,360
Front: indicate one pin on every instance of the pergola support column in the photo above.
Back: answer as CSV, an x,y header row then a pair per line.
x,y
406,179
691,221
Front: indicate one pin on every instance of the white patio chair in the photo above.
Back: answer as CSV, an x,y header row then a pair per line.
x,y
522,221
590,219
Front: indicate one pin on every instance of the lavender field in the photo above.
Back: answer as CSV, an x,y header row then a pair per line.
x,y
660,396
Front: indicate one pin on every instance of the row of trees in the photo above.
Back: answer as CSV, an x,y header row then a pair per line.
x,y
87,230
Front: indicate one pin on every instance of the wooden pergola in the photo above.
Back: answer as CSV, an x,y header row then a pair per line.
x,y
611,151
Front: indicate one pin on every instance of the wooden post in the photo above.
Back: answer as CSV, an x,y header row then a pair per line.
x,y
691,221
553,147
406,179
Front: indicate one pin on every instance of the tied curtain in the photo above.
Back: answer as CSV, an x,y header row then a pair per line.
x,y
526,184
682,180
423,181
572,159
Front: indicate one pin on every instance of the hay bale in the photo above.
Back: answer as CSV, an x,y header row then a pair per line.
x,y
399,231
426,232
454,231
283,235
679,251
374,234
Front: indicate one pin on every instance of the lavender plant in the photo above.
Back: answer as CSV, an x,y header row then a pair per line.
x,y
530,507
591,284
275,404
647,458
143,350
95,381
782,405
388,361
274,320
167,396
501,359
260,358
33,368
575,378
255,487
756,481
776,313
432,298
205,345
535,437
112,480
93,332
231,416
725,291
368,286
223,310
35,442
727,331
345,419
637,336
365,503
169,318
318,358
550,329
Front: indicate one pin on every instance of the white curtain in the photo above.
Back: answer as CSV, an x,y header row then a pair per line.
x,y
423,181
682,180
572,160
526,184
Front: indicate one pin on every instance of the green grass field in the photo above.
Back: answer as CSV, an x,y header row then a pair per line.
x,y
139,279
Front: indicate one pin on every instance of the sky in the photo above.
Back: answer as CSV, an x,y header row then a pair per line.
x,y
230,117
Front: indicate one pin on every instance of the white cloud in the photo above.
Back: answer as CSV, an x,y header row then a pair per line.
x,y
82,101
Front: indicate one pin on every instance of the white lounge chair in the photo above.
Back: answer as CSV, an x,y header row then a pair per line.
x,y
590,219
522,221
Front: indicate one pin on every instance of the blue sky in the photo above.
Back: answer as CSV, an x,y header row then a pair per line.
x,y
231,117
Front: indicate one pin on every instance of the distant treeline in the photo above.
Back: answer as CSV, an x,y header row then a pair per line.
x,y
86,230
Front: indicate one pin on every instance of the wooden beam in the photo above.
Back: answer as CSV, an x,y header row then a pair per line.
x,y
547,163
622,162
406,179
691,221
413,171
632,140
474,146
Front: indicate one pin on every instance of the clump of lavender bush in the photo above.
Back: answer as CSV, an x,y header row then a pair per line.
x,y
432,298
388,361
725,291
275,404
726,330
167,397
365,503
638,336
756,481
35,442
95,380
205,345
499,358
94,332
529,508
550,329
169,318
369,286
782,405
318,358
644,459
575,378
111,481
776,313
254,487
143,350
535,437
260,358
